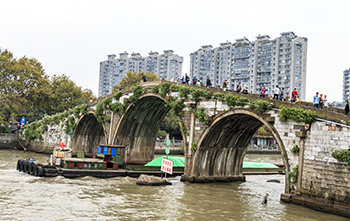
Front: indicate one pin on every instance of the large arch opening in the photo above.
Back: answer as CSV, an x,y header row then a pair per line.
x,y
222,146
88,134
139,126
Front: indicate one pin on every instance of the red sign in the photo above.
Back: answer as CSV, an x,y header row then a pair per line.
x,y
167,166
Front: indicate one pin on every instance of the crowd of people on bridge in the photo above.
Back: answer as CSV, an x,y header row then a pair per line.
x,y
320,101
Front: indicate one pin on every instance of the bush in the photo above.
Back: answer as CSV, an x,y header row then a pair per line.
x,y
136,92
194,147
176,105
183,91
261,106
155,89
342,155
219,96
117,96
295,150
164,89
293,175
296,114
200,113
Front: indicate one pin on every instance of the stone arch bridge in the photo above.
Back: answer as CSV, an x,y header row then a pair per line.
x,y
221,143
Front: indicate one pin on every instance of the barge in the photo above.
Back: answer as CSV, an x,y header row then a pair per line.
x,y
109,162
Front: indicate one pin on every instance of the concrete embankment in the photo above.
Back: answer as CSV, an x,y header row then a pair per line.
x,y
320,204
8,141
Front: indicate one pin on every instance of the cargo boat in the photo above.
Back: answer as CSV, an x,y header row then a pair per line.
x,y
109,161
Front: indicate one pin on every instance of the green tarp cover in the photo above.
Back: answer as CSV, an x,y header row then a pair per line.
x,y
258,165
177,162
180,162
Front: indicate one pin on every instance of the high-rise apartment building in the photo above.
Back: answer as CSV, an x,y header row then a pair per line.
x,y
261,63
167,66
346,85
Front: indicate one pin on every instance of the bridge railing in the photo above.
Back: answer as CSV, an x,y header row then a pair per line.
x,y
328,113
173,143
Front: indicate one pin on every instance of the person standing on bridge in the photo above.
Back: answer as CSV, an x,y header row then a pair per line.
x,y
282,94
144,79
208,83
276,93
325,102
316,101
346,109
187,79
224,85
321,104
239,87
294,95
262,92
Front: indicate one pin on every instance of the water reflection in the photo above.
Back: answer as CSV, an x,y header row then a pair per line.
x,y
25,197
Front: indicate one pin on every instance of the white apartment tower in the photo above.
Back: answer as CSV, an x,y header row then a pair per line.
x,y
261,63
346,85
167,66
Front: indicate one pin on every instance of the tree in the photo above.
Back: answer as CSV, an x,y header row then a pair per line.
x,y
24,86
26,91
132,79
171,125
65,94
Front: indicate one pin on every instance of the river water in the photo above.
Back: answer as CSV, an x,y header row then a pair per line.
x,y
25,197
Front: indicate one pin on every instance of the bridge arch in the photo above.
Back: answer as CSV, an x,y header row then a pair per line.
x,y
221,147
88,134
138,127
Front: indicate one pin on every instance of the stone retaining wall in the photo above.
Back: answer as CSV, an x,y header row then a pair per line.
x,y
326,180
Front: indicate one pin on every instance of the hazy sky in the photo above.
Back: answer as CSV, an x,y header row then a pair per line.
x,y
72,37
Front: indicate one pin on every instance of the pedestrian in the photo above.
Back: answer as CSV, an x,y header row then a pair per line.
x,y
276,93
320,101
245,91
346,109
208,83
172,79
282,94
224,85
239,87
262,92
199,83
144,79
187,79
316,101
194,81
121,88
295,94
325,102
183,81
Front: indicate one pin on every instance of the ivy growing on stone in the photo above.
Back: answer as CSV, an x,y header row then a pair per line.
x,y
69,125
176,105
293,175
200,114
342,155
164,89
296,114
261,106
136,92
219,96
155,89
295,150
194,147
183,91
118,95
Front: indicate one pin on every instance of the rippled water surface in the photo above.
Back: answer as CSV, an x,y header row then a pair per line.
x,y
25,197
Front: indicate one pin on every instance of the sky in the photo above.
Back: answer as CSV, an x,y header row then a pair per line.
x,y
73,37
